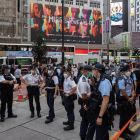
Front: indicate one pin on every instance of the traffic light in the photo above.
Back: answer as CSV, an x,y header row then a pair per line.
x,y
135,52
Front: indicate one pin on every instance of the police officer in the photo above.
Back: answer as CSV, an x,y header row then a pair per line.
x,y
137,89
7,94
87,127
127,95
104,87
69,88
33,89
51,92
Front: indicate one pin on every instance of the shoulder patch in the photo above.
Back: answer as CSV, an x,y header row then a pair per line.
x,y
71,79
83,79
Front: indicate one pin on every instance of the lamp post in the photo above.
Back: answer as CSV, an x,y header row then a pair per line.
x,y
63,32
88,47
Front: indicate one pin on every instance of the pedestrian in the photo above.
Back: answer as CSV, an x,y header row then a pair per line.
x,y
33,89
18,75
40,69
69,89
116,67
7,94
75,73
12,69
80,72
88,123
126,100
51,92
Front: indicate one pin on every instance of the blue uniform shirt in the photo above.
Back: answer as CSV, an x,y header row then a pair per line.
x,y
105,87
134,77
128,88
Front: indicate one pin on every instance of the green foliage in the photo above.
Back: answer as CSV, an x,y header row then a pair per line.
x,y
124,49
39,48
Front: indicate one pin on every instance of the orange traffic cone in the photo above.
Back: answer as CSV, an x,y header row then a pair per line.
x,y
20,96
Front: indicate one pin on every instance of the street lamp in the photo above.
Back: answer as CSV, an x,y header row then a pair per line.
x,y
88,47
63,32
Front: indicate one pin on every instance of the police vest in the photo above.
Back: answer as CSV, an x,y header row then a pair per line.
x,y
7,77
111,99
137,73
50,81
96,97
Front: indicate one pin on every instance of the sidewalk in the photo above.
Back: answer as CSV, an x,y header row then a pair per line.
x,y
25,128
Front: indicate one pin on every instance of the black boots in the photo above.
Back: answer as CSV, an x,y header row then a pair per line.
x,y
32,115
12,116
66,123
38,114
69,127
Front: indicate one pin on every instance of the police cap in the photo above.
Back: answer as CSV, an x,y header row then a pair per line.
x,y
6,67
33,67
100,67
111,66
126,67
88,67
50,67
67,70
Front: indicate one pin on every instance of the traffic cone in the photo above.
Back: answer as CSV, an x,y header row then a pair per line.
x,y
20,96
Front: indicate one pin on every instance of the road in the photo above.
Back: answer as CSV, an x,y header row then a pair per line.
x,y
25,128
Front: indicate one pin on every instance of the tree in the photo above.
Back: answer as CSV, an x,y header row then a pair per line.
x,y
39,48
125,49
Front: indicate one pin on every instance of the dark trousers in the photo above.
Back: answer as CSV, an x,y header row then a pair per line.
x,y
101,130
18,81
126,113
88,124
34,91
75,79
69,107
134,108
6,97
50,102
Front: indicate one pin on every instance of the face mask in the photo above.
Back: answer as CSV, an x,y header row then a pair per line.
x,y
9,71
90,74
107,72
65,75
128,74
32,71
49,72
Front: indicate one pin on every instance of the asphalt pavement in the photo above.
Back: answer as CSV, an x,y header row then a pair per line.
x,y
25,128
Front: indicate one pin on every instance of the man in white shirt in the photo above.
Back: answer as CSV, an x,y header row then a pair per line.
x,y
33,86
69,88
51,92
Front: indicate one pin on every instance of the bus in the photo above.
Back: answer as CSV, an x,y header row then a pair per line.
x,y
25,62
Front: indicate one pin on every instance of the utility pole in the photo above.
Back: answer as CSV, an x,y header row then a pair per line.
x,y
107,28
63,33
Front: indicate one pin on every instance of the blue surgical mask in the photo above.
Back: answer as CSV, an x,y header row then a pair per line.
x,y
107,72
9,71
90,74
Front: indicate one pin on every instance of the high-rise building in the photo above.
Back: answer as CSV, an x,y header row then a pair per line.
x,y
137,16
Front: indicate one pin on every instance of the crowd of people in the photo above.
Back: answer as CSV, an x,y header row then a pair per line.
x,y
103,91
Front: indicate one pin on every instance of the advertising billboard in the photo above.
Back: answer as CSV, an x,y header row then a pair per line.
x,y
125,40
132,8
116,13
80,25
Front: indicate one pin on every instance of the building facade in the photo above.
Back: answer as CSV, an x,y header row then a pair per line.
x,y
137,16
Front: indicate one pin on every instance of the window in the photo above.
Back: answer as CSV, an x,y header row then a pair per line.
x,y
138,28
137,15
137,3
137,21
137,9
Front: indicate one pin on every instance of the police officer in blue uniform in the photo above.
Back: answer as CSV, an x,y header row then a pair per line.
x,y
126,100
7,94
69,89
104,87
88,123
33,86
51,92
